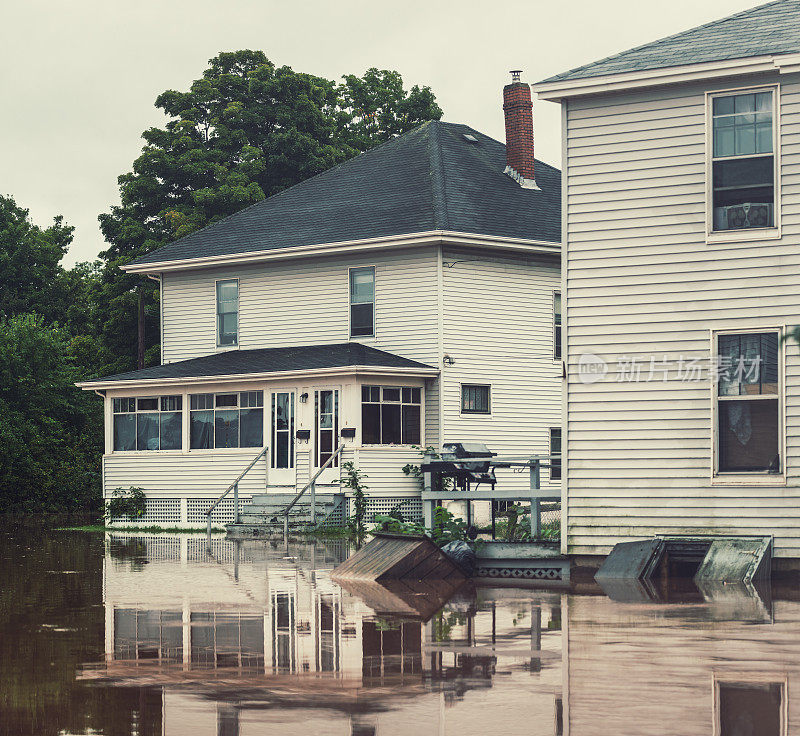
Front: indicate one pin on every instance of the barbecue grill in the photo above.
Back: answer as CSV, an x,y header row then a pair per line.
x,y
466,463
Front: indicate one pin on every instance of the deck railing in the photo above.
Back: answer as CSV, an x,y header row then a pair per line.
x,y
235,488
312,486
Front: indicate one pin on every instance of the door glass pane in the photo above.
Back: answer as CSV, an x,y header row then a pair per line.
x,y
171,431
283,429
201,430
326,405
147,431
125,432
226,428
252,427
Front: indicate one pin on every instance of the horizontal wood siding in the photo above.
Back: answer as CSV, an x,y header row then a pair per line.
x,y
306,302
641,281
184,476
383,468
498,328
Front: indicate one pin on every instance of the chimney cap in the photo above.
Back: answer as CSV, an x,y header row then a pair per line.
x,y
515,75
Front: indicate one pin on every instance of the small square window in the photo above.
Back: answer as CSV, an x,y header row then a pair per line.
x,y
475,399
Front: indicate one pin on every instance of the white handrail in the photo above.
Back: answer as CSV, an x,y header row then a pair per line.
x,y
234,485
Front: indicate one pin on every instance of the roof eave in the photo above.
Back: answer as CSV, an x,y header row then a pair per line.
x,y
558,90
410,240
350,370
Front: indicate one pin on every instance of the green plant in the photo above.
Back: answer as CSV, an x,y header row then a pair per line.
x,y
446,527
353,480
415,471
129,502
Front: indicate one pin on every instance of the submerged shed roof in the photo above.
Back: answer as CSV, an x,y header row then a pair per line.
x,y
770,29
431,178
270,360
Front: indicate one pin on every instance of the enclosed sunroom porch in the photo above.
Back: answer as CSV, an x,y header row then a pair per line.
x,y
184,431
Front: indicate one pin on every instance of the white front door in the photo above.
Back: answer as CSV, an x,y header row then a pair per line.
x,y
282,407
325,437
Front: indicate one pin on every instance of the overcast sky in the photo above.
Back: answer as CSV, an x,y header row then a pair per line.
x,y
79,77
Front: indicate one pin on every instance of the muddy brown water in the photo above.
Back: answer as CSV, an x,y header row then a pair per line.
x,y
121,634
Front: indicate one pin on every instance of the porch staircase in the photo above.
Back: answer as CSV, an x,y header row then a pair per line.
x,y
265,515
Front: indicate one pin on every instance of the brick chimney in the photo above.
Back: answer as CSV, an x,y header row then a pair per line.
x,y
518,110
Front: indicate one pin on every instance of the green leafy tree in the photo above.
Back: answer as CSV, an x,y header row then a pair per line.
x,y
244,131
50,432
31,277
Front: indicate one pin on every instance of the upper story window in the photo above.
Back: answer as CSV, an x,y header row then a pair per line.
x,y
228,313
362,302
475,399
748,404
556,325
391,415
152,423
743,161
226,420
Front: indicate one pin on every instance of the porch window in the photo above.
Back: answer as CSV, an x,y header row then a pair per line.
x,y
226,420
475,399
555,449
228,313
748,410
556,325
391,415
362,302
151,423
743,161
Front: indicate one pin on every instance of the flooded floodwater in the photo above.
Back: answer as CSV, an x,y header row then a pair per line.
x,y
122,634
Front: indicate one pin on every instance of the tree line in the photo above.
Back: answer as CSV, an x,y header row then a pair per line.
x,y
245,130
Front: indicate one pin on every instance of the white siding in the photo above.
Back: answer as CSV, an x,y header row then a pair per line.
x,y
498,328
306,302
641,280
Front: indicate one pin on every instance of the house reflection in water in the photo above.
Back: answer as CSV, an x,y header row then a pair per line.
x,y
252,636
267,642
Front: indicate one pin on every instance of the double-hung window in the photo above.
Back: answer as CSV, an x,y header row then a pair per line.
x,y
391,415
228,313
556,325
226,420
555,453
152,423
743,160
362,302
748,403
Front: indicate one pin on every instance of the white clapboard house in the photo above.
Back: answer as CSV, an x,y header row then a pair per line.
x,y
404,298
681,264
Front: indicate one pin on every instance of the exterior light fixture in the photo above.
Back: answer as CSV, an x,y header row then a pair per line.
x,y
448,360
303,398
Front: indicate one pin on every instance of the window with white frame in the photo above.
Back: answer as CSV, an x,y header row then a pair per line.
x,y
475,398
748,403
228,313
743,160
226,420
555,453
391,415
362,302
556,325
148,423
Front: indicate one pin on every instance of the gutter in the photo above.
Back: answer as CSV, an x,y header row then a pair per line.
x,y
431,237
356,370
558,90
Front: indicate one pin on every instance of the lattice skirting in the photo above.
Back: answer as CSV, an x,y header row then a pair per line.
x,y
530,573
197,508
410,508
160,511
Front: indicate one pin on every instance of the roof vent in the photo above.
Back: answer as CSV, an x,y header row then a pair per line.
x,y
471,138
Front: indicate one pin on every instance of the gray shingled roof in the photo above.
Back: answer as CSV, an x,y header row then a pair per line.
x,y
768,29
431,178
270,360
